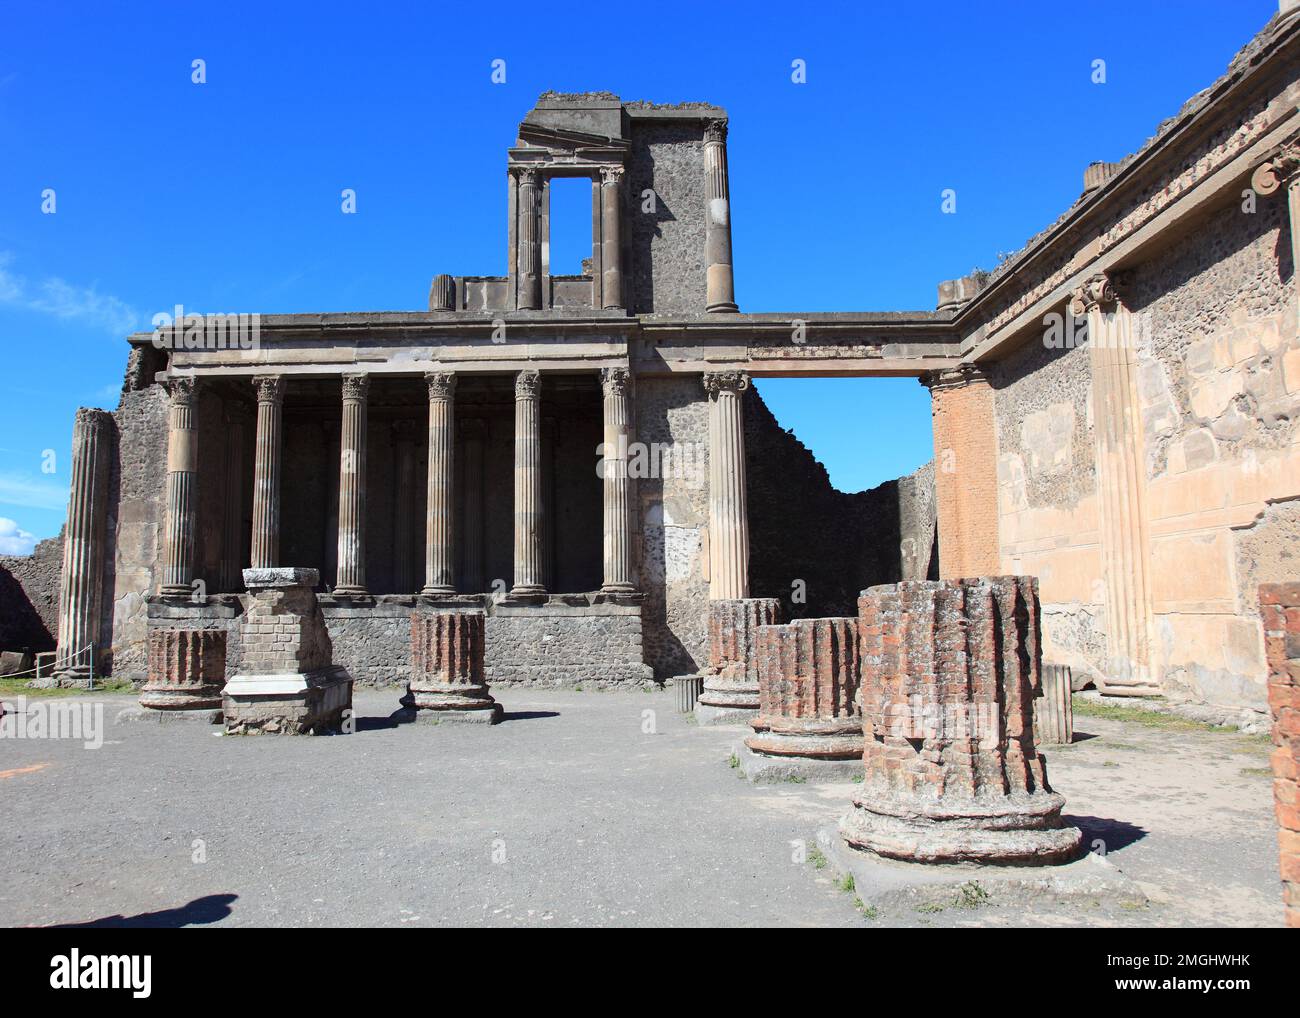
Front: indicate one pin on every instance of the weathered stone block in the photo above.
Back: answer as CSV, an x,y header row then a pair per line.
x,y
187,669
949,673
447,674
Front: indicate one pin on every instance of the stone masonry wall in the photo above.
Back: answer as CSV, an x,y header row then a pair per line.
x,y
666,247
1280,608
29,597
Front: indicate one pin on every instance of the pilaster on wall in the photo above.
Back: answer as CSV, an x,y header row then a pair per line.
x,y
965,475
1122,489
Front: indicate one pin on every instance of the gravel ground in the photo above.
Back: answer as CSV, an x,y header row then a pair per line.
x,y
568,813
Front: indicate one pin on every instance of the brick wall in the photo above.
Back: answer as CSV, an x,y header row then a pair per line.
x,y
1280,607
966,479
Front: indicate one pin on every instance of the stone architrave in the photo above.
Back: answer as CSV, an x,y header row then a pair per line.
x,y
809,722
187,669
447,669
950,669
730,693
288,683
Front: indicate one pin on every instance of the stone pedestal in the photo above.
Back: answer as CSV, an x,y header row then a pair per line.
x,y
949,672
289,683
447,675
187,668
730,693
809,723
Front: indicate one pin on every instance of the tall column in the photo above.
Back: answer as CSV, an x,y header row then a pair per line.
x,y
1284,167
81,582
404,555
266,472
965,475
182,482
352,488
611,208
529,518
530,255
330,509
1121,490
439,562
550,459
232,531
472,578
614,383
728,517
721,287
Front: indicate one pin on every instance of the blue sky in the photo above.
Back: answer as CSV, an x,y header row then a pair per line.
x,y
224,196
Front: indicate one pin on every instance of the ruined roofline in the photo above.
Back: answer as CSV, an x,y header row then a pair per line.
x,y
1111,182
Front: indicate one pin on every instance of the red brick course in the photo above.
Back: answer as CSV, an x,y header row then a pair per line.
x,y
1279,605
187,669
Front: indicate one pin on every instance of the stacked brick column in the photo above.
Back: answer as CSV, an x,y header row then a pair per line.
x,y
187,668
731,681
966,474
1279,605
949,672
807,688
447,649
288,682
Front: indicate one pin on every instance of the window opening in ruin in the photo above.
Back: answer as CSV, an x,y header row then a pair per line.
x,y
571,227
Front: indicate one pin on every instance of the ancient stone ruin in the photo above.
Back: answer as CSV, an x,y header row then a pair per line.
x,y
809,722
730,693
287,683
949,673
187,669
447,674
1280,606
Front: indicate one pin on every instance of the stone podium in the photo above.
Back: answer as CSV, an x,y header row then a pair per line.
x,y
288,683
949,673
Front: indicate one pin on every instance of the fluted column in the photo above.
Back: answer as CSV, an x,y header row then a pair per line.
x,y
182,482
404,555
266,472
728,517
721,288
352,488
439,561
1121,489
232,530
80,583
614,383
611,207
530,253
472,578
330,508
528,486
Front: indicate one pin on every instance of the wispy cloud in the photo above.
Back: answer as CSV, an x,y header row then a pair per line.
x,y
14,540
58,297
32,492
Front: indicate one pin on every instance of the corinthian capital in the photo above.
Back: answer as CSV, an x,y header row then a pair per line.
x,y
269,388
1277,170
529,177
442,384
715,131
611,176
356,386
615,381
725,381
183,390
528,384
1096,291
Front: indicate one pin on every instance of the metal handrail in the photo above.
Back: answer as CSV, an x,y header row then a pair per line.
x,y
87,651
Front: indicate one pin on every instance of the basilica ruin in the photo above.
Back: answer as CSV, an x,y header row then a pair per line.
x,y
570,479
